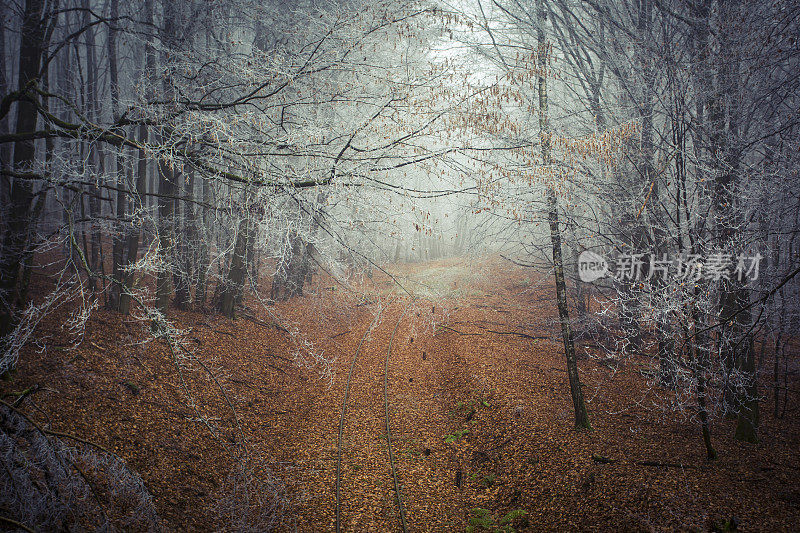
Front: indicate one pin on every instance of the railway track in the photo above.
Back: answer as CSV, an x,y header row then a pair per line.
x,y
393,467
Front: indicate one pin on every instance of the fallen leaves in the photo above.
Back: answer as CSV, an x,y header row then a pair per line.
x,y
462,399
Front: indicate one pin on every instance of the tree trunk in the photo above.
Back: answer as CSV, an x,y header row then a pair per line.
x,y
181,276
292,270
132,243
701,360
119,240
166,181
237,269
193,239
205,236
140,199
21,194
95,160
166,237
5,149
581,415
26,265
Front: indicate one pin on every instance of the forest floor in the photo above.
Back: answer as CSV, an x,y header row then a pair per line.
x,y
479,416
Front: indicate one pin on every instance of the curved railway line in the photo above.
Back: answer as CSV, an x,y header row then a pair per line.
x,y
392,463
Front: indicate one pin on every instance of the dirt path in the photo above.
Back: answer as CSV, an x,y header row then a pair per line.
x,y
481,423
420,389
480,419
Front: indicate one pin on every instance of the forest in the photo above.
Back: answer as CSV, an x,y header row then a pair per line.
x,y
399,265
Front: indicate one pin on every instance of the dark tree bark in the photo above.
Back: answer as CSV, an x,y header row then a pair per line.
x,y
193,239
581,415
166,184
181,275
26,265
140,198
699,352
237,270
203,260
292,272
5,149
166,237
119,238
21,194
132,241
95,161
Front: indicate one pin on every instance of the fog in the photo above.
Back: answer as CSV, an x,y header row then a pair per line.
x,y
629,166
